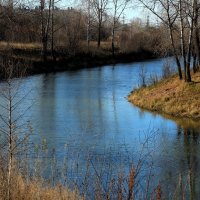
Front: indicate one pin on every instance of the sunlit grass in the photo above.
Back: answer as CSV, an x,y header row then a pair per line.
x,y
170,96
34,189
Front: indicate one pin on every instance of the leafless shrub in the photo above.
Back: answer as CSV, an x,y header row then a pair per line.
x,y
142,76
14,132
131,181
167,70
158,192
73,28
153,79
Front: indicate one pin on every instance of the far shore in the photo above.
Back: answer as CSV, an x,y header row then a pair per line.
x,y
32,57
170,97
82,61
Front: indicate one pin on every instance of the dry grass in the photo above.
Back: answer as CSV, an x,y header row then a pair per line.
x,y
5,47
22,46
34,190
105,45
170,96
93,44
104,49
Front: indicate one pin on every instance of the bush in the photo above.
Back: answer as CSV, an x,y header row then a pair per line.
x,y
167,70
153,79
142,76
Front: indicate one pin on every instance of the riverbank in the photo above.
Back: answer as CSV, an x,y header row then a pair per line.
x,y
81,61
31,56
170,96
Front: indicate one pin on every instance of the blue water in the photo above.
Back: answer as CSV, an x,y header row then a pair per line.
x,y
87,112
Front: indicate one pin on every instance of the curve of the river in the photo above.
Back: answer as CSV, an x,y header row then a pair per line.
x,y
87,111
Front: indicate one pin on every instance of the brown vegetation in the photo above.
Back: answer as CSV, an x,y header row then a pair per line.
x,y
47,32
35,189
170,96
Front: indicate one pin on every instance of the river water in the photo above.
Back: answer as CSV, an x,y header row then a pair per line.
x,y
87,112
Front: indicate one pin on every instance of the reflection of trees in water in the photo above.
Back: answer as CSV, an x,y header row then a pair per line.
x,y
187,144
180,158
88,107
191,145
114,100
47,105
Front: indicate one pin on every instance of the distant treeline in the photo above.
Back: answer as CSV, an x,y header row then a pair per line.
x,y
99,27
92,29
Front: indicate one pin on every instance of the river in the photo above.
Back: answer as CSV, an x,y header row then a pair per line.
x,y
86,112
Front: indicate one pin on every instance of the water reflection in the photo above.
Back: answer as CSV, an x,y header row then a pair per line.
x,y
182,160
191,150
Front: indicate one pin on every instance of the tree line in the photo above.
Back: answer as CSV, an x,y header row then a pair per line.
x,y
75,29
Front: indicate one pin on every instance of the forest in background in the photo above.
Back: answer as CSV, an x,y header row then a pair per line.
x,y
44,29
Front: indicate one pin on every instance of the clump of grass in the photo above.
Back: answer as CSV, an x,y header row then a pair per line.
x,y
153,79
142,76
167,70
170,96
34,189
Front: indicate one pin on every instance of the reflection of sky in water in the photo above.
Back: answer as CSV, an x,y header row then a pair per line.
x,y
89,111
91,104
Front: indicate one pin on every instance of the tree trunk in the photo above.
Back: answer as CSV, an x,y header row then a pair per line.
x,y
182,38
45,28
173,42
44,44
99,36
113,42
194,63
189,54
52,32
175,54
88,27
196,32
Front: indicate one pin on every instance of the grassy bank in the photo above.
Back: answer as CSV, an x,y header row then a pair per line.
x,y
170,96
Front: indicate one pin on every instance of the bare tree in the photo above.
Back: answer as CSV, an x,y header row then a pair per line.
x,y
52,30
187,19
99,7
13,134
87,8
54,26
45,15
73,27
119,7
196,36
190,39
163,9
182,35
89,21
